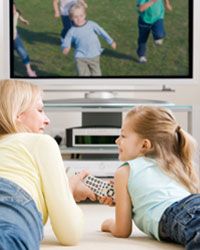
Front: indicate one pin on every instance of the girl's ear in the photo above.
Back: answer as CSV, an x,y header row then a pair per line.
x,y
146,146
19,117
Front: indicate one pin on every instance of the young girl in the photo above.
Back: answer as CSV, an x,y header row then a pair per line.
x,y
151,19
18,44
157,185
84,37
33,184
61,8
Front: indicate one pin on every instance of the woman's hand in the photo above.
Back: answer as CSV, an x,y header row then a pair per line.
x,y
79,190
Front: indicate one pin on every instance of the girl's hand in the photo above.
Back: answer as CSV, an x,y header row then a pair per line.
x,y
57,14
106,225
106,200
168,7
114,45
26,22
23,20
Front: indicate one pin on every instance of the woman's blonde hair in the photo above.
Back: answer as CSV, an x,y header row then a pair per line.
x,y
16,97
172,146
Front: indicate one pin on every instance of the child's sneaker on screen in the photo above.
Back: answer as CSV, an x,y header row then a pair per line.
x,y
31,73
142,59
158,42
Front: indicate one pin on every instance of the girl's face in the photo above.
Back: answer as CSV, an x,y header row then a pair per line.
x,y
129,143
34,118
79,17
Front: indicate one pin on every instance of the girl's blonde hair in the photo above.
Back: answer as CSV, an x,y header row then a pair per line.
x,y
81,4
172,146
16,97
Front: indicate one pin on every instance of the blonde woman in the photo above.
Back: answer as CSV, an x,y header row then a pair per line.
x,y
33,183
157,185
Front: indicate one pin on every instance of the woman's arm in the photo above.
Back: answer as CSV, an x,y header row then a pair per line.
x,y
65,216
122,225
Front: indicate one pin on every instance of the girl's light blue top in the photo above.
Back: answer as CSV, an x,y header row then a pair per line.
x,y
85,40
151,192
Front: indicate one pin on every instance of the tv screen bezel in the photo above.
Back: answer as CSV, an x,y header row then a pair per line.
x,y
116,82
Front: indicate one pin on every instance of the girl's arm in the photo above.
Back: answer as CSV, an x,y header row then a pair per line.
x,y
23,20
122,225
56,8
168,5
145,6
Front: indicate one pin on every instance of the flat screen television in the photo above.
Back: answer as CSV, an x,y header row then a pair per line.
x,y
177,61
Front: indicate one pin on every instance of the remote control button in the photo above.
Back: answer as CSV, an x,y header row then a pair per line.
x,y
110,192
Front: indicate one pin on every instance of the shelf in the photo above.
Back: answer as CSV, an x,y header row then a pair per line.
x,y
102,103
88,150
108,105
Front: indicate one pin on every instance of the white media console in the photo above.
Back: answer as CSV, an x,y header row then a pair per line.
x,y
102,160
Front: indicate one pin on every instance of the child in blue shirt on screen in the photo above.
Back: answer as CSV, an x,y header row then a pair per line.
x,y
61,8
84,37
157,185
151,19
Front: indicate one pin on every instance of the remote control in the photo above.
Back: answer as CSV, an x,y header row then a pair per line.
x,y
99,187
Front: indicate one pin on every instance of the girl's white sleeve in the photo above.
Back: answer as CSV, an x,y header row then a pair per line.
x,y
65,216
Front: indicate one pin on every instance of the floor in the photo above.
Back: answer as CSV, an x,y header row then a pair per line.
x,y
93,238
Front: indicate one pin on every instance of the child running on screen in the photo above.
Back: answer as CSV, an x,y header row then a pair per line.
x,y
151,19
157,186
84,37
18,44
61,8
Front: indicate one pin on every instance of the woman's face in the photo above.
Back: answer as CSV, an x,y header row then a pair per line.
x,y
34,118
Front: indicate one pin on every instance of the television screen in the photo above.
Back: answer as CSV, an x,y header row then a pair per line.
x,y
114,39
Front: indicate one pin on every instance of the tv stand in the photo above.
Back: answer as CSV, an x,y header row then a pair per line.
x,y
111,94
100,95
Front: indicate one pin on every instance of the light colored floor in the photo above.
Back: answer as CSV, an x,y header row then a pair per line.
x,y
93,238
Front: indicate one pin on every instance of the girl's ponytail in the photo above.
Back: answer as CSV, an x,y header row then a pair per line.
x,y
185,149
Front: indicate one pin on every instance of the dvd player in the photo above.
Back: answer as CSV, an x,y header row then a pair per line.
x,y
92,136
